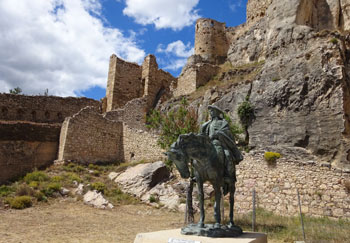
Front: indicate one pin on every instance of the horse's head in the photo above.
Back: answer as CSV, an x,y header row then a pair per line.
x,y
180,159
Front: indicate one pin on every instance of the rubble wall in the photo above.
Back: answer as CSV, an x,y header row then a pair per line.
x,y
41,109
25,146
322,190
88,137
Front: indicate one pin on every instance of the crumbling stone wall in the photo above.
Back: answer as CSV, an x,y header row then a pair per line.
x,y
25,146
210,40
128,81
140,145
124,82
194,75
133,113
41,109
321,189
88,137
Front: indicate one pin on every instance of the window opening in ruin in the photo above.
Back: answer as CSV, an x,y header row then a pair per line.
x,y
59,115
47,114
20,114
33,115
132,155
211,24
4,112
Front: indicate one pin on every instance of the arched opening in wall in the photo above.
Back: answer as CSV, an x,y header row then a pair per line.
x,y
4,112
20,114
47,115
315,14
59,116
33,115
159,94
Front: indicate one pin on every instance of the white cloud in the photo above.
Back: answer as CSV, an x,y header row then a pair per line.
x,y
177,53
162,13
177,48
234,6
61,45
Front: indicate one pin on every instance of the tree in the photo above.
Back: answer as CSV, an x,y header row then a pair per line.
x,y
16,90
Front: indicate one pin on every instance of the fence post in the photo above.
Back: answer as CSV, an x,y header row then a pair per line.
x,y
301,216
254,212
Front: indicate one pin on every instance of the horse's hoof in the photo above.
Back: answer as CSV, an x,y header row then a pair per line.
x,y
201,225
217,225
231,225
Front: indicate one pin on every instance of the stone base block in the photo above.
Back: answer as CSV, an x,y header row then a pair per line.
x,y
175,236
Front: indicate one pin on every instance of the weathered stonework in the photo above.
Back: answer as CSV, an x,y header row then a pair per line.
x,y
41,109
88,137
256,10
140,145
127,81
25,146
321,189
124,82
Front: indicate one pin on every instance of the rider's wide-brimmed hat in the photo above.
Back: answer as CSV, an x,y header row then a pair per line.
x,y
214,107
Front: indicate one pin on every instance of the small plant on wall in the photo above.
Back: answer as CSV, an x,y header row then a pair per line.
x,y
245,113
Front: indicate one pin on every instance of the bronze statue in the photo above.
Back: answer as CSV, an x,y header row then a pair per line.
x,y
214,154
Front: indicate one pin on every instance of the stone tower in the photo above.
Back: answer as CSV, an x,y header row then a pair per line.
x,y
124,82
210,40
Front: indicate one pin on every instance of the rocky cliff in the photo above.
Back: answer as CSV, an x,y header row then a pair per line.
x,y
292,62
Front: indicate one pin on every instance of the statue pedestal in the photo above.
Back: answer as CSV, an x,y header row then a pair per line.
x,y
175,236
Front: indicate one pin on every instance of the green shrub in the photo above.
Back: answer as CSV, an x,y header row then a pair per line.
x,y
40,197
245,112
50,188
24,190
71,167
271,157
70,176
57,179
19,202
117,196
5,191
153,199
334,41
34,184
179,121
99,186
38,176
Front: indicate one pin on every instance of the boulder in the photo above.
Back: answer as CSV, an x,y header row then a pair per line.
x,y
141,178
96,200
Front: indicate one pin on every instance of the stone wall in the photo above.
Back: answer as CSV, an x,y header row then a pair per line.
x,y
128,81
210,40
25,146
88,137
133,113
141,145
321,189
124,82
194,76
41,109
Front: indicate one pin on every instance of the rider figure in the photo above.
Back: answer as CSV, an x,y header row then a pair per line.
x,y
221,137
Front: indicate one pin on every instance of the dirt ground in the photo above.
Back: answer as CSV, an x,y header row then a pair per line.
x,y
72,221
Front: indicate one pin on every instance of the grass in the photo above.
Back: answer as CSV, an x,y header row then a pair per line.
x,y
42,185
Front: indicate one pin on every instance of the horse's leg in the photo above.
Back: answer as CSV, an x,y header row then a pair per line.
x,y
201,202
232,202
217,214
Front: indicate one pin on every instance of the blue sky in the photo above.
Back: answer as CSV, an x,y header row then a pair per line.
x,y
64,45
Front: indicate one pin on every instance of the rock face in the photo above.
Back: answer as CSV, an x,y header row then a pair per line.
x,y
296,54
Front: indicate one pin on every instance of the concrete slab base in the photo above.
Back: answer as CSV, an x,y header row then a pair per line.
x,y
175,236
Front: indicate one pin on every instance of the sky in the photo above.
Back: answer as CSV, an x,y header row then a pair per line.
x,y
64,46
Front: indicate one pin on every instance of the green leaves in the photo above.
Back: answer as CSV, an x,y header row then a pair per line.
x,y
178,121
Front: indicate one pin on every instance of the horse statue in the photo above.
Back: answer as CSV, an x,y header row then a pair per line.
x,y
207,167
